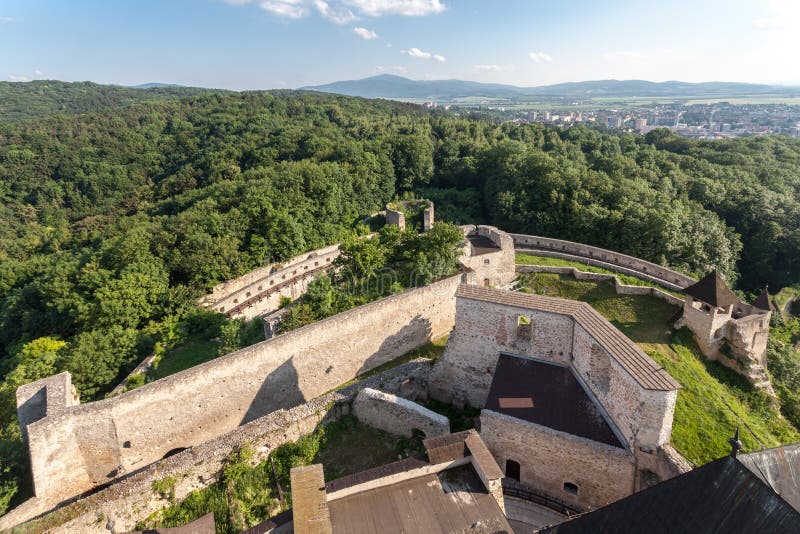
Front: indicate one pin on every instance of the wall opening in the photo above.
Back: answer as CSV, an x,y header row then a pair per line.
x,y
485,282
524,328
512,470
571,488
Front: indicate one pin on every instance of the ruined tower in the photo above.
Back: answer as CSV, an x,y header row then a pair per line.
x,y
728,330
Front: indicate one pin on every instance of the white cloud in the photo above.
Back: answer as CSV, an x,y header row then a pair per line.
x,y
494,68
344,11
291,9
417,53
336,13
410,8
18,78
38,72
541,57
7,20
365,33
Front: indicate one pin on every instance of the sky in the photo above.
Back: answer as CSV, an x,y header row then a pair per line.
x,y
264,44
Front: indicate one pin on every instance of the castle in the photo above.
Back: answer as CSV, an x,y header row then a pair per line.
x,y
728,330
569,406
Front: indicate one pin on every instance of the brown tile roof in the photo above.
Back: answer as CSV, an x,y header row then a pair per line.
x,y
640,366
763,302
713,290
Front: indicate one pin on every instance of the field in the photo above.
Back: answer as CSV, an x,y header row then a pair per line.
x,y
714,400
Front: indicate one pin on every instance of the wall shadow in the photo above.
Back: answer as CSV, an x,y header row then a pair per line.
x,y
279,389
417,332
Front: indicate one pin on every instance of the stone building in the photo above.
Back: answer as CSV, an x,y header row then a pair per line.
x,y
571,408
728,330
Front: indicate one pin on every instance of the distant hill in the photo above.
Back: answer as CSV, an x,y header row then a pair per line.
x,y
39,98
152,85
397,87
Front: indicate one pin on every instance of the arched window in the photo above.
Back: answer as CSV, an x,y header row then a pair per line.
x,y
512,470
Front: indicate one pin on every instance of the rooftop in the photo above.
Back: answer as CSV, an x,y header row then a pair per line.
x,y
549,395
713,290
454,500
639,365
726,495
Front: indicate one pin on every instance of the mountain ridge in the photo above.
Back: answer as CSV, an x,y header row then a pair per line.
x,y
392,86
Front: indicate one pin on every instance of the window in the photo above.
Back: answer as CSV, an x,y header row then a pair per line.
x,y
512,470
486,282
524,328
571,488
486,262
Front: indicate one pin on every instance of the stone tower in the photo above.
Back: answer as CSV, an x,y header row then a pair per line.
x,y
728,330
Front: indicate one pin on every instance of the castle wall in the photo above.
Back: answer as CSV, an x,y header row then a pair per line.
x,y
643,416
93,443
603,258
483,330
548,459
495,267
397,415
260,291
133,498
395,218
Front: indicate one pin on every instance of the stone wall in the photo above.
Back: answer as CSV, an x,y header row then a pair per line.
x,y
91,444
485,329
397,415
133,498
259,292
395,218
495,268
46,397
549,459
665,276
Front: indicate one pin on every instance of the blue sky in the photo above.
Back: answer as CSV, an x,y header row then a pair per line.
x,y
261,44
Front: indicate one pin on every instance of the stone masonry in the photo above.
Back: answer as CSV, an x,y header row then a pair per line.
x,y
397,415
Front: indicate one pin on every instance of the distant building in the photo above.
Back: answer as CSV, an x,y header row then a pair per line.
x,y
640,124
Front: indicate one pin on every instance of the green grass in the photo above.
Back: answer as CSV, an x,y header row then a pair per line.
x,y
547,261
193,351
644,319
714,400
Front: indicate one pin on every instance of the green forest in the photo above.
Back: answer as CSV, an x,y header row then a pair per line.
x,y
118,214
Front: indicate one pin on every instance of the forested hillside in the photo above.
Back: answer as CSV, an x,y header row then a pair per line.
x,y
112,223
40,98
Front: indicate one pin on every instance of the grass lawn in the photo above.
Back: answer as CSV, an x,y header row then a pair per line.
x,y
533,259
644,319
714,400
194,351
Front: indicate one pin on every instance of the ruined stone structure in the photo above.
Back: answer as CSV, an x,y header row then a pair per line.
x,y
397,415
75,447
728,330
397,217
259,292
504,342
488,255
